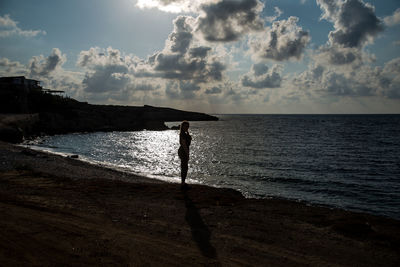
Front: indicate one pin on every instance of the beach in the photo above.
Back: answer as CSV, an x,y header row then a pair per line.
x,y
58,210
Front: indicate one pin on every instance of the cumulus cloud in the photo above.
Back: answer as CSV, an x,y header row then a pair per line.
x,y
179,70
354,21
41,66
393,19
390,79
9,27
227,21
360,81
11,68
181,89
105,71
182,58
338,55
284,40
213,91
261,76
181,37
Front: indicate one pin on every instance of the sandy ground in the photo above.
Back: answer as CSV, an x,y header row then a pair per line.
x,y
61,211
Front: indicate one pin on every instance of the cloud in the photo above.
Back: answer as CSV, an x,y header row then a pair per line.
x,y
181,37
354,21
173,6
354,81
11,68
41,66
278,13
181,89
262,77
390,79
213,91
9,27
393,19
182,58
284,40
338,55
226,20
145,86
105,71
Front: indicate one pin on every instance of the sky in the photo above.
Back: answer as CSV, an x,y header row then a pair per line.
x,y
213,56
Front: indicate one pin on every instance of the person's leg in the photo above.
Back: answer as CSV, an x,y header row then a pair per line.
x,y
184,169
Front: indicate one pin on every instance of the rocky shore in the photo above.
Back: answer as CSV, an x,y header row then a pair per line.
x,y
27,110
62,211
83,117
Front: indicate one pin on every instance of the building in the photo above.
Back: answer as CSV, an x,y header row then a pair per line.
x,y
21,81
21,95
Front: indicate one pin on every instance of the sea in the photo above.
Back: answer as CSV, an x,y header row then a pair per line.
x,y
342,161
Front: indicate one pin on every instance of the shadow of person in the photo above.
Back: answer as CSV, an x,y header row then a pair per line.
x,y
200,232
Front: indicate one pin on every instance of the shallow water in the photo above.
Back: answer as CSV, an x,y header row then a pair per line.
x,y
347,161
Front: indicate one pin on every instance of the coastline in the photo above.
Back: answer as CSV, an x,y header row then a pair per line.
x,y
60,210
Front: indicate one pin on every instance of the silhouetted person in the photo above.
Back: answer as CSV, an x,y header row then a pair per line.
x,y
183,151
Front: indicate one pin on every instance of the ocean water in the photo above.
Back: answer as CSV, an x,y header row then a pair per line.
x,y
345,161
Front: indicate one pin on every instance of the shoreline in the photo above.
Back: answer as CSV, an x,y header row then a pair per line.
x,y
176,180
84,214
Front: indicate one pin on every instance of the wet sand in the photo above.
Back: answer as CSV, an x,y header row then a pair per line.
x,y
62,211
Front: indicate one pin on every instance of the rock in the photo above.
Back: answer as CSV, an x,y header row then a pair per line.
x,y
175,127
11,134
74,156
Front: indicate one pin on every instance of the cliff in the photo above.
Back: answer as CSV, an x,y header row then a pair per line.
x,y
28,113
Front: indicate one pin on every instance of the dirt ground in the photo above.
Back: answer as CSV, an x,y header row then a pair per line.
x,y
61,211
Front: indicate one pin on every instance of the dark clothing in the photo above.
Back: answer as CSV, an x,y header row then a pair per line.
x,y
185,136
183,155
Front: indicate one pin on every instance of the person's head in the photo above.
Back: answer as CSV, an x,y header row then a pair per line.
x,y
184,126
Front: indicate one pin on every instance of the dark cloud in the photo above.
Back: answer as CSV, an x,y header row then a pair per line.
x,y
228,20
214,91
182,35
337,55
355,22
390,79
181,90
40,66
261,77
201,51
106,78
105,71
146,87
181,59
283,41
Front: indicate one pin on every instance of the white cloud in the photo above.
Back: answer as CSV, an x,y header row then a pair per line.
x,y
354,81
9,27
278,13
173,6
11,68
393,19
